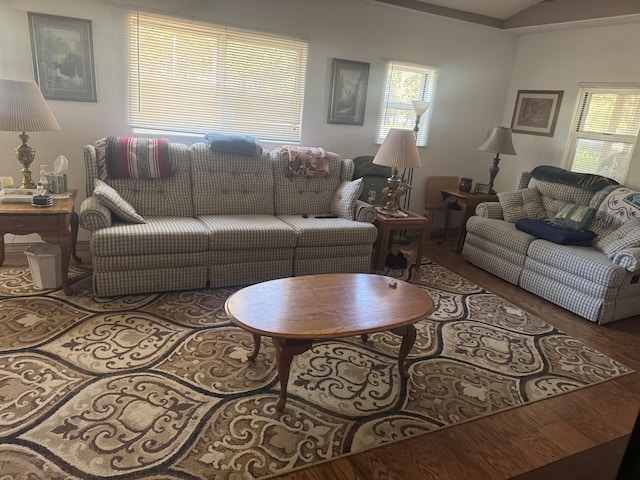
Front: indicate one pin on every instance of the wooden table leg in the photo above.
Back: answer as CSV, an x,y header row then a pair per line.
x,y
1,248
256,347
423,239
74,237
65,253
447,219
285,350
408,334
384,237
462,232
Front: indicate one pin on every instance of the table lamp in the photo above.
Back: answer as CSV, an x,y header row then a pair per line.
x,y
22,109
499,141
397,151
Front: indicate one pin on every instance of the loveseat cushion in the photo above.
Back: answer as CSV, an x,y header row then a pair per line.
x,y
246,232
556,233
158,235
524,203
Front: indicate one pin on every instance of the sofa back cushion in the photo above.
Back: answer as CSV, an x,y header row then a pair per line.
x,y
524,203
297,194
556,195
169,196
230,183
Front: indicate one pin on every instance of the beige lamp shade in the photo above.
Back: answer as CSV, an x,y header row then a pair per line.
x,y
499,141
23,108
398,150
419,107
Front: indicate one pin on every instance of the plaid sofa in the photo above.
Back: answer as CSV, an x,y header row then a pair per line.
x,y
599,282
223,219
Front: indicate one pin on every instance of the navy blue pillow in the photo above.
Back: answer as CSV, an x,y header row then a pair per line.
x,y
553,233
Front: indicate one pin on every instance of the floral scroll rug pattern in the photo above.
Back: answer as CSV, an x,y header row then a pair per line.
x,y
159,386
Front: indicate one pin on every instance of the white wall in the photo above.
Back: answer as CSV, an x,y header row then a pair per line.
x,y
558,61
481,70
475,63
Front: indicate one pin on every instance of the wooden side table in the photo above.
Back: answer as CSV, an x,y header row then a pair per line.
x,y
387,224
467,203
56,224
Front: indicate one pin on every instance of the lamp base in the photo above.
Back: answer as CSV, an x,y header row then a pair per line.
x,y
493,171
26,154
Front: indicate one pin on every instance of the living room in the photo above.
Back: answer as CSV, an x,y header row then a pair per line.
x,y
481,70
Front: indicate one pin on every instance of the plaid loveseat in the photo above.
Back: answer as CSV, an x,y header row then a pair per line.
x,y
221,219
597,279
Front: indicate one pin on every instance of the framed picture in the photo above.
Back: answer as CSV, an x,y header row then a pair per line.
x,y
482,188
62,49
348,92
536,112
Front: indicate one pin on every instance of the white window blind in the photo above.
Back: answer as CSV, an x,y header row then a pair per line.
x,y
604,131
405,82
193,77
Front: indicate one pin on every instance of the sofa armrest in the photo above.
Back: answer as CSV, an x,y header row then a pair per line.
x,y
94,215
365,212
489,210
629,259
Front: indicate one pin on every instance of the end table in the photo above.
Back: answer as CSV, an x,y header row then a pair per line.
x,y
387,224
467,203
56,224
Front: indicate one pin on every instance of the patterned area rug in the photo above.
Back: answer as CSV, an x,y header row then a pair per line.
x,y
158,386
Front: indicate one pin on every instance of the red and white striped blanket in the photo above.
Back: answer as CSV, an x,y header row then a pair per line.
x,y
128,157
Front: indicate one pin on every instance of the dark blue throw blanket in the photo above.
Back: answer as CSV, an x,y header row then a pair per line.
x,y
230,143
560,175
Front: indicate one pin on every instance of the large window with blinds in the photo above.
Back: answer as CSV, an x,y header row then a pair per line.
x,y
186,76
404,83
604,131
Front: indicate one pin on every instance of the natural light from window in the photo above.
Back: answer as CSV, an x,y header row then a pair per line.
x,y
193,77
605,130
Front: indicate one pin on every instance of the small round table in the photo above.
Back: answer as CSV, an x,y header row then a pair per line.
x,y
297,310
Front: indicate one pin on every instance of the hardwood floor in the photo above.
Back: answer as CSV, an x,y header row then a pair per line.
x,y
580,435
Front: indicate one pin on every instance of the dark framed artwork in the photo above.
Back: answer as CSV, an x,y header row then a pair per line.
x,y
536,112
62,49
348,92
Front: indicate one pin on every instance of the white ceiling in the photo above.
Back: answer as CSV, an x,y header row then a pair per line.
x,y
501,9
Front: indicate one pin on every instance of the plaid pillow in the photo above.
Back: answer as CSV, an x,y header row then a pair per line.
x,y
574,216
343,203
114,202
524,203
625,236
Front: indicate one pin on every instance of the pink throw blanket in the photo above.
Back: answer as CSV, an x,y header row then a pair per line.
x,y
310,161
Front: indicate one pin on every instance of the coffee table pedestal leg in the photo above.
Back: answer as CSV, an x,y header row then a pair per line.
x,y
256,347
285,350
408,335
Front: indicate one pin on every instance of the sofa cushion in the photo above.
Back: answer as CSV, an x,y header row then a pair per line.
x,y
111,199
247,232
625,236
343,203
573,216
329,232
556,234
159,235
524,203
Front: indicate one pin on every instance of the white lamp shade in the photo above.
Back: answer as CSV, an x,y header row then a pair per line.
x,y
419,107
499,141
23,108
398,150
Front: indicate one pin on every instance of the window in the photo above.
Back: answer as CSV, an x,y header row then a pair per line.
x,y
404,83
193,77
604,130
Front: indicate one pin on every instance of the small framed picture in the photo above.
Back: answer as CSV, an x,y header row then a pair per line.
x,y
536,112
482,188
62,49
348,92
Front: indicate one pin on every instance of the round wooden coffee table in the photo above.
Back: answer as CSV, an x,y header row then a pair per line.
x,y
297,310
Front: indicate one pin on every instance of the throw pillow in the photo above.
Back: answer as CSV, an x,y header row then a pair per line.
x,y
625,236
343,203
111,199
554,233
523,203
574,216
